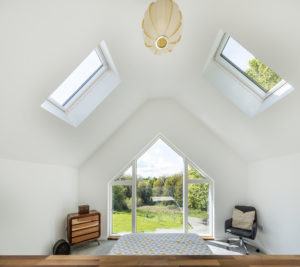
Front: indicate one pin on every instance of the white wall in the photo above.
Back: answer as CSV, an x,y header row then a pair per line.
x,y
188,134
273,188
35,198
34,202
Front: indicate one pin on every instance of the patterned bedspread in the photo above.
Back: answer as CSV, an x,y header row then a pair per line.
x,y
160,244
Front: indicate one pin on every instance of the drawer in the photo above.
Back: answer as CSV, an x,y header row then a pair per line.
x,y
84,225
85,231
85,237
85,219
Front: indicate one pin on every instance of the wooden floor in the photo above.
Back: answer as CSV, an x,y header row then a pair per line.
x,y
174,261
205,237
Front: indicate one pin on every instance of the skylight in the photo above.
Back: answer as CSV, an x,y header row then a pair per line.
x,y
85,88
255,70
77,79
249,83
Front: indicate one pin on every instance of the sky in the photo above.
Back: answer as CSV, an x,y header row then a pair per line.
x,y
237,54
159,160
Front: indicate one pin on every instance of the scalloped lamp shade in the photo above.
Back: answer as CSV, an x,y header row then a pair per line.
x,y
162,25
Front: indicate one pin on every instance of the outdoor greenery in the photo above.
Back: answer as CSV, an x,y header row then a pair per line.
x,y
198,196
262,74
120,194
152,215
152,219
170,186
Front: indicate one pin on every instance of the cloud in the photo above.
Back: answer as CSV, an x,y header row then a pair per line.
x,y
159,160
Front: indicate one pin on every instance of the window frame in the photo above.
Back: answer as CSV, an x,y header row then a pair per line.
x,y
240,76
92,95
186,181
84,89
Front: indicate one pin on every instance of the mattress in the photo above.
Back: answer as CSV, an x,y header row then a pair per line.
x,y
160,244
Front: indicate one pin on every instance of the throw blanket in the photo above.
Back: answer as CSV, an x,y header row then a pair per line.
x,y
160,244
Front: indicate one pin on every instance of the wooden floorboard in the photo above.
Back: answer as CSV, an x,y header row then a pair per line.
x,y
115,237
152,261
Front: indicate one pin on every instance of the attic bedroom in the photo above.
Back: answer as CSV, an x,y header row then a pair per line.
x,y
149,132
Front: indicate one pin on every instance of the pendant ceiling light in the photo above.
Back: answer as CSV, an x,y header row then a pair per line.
x,y
162,26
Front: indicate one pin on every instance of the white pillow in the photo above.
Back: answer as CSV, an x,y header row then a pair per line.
x,y
243,220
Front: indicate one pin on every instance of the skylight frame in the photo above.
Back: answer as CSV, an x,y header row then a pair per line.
x,y
84,88
240,76
95,91
235,86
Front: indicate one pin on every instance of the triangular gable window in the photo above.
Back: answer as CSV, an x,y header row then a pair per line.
x,y
161,191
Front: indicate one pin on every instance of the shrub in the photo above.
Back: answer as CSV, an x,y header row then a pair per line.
x,y
129,203
119,196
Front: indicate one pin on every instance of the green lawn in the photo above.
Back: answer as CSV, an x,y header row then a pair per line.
x,y
150,218
122,222
198,213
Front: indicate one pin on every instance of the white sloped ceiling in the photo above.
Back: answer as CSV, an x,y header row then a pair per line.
x,y
43,41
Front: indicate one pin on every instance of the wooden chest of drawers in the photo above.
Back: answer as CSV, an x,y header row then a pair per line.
x,y
84,227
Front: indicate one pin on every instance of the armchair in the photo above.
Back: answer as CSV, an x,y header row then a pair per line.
x,y
242,233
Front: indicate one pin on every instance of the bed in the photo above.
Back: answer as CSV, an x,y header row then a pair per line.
x,y
160,244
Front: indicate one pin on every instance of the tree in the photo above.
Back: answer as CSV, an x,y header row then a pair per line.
x,y
119,197
158,187
144,191
128,192
198,196
262,74
174,187
170,186
178,196
193,173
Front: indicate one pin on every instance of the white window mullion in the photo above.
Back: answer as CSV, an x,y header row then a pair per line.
x,y
210,209
185,196
110,208
133,210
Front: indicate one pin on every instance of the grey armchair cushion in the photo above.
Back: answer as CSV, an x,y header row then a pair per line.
x,y
239,232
